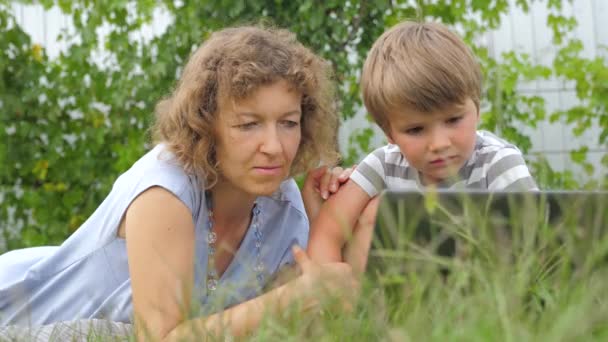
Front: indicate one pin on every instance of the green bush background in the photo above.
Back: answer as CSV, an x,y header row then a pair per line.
x,y
50,184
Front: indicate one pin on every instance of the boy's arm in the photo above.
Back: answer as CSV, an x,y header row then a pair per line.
x,y
320,183
335,223
357,249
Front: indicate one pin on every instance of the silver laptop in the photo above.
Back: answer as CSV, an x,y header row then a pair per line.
x,y
435,231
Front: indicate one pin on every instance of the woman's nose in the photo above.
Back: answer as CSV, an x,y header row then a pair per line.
x,y
271,143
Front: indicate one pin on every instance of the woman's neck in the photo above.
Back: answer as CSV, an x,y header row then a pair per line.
x,y
231,207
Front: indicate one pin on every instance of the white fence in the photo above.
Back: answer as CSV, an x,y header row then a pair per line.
x,y
530,33
522,32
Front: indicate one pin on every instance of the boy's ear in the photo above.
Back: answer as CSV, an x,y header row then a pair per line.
x,y
386,129
387,133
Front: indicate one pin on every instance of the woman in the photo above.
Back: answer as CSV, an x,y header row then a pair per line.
x,y
203,220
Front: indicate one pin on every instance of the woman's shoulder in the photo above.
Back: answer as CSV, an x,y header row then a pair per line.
x,y
160,159
159,167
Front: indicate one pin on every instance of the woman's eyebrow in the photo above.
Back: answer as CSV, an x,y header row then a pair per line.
x,y
246,115
295,111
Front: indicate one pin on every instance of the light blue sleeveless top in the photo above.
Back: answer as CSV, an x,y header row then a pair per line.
x,y
87,276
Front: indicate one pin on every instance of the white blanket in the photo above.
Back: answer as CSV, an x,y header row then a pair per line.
x,y
76,331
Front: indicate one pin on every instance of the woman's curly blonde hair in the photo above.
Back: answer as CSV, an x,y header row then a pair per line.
x,y
231,65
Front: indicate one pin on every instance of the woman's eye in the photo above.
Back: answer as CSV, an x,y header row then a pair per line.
x,y
248,125
291,123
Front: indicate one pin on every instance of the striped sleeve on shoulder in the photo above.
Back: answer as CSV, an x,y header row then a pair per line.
x,y
508,171
370,174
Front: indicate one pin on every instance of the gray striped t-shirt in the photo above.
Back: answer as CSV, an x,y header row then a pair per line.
x,y
494,165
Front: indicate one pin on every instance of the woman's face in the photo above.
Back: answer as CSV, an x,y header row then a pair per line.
x,y
258,138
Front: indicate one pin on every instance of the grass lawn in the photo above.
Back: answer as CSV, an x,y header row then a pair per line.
x,y
539,280
519,275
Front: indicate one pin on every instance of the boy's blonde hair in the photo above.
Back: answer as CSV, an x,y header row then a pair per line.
x,y
230,66
422,66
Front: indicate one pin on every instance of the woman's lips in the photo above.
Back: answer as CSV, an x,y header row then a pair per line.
x,y
268,170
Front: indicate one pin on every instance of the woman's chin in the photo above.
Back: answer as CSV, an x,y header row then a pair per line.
x,y
265,189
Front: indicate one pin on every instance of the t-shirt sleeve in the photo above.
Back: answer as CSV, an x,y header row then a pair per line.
x,y
172,180
508,171
157,170
370,174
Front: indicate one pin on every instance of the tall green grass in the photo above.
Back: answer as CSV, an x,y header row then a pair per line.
x,y
522,270
526,273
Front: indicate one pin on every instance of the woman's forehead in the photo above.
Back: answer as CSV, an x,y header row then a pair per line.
x,y
277,97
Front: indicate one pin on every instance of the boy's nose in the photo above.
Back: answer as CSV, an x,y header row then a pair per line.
x,y
439,141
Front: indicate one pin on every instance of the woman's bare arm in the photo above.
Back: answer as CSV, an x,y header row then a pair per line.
x,y
160,247
334,280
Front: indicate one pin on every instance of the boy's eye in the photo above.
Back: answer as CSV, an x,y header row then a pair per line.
x,y
454,119
414,130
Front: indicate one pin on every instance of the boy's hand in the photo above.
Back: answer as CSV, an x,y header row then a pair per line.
x,y
320,183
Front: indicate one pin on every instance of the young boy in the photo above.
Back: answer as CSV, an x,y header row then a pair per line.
x,y
422,86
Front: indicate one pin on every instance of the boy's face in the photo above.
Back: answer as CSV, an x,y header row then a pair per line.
x,y
258,138
439,143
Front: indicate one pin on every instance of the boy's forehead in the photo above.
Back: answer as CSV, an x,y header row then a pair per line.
x,y
410,112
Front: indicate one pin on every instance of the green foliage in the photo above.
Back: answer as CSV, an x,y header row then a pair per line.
x,y
70,125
